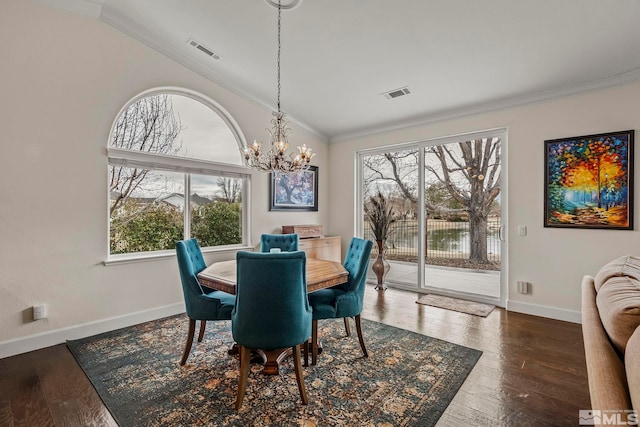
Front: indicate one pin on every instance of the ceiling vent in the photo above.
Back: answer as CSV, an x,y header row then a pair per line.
x,y
397,93
203,49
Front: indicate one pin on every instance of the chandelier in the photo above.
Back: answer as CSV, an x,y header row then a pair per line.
x,y
275,157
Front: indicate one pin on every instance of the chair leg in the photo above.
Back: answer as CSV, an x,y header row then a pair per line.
x,y
347,327
360,337
314,342
187,347
299,376
203,324
245,361
305,348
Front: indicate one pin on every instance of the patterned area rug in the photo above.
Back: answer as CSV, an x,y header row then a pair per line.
x,y
408,379
463,306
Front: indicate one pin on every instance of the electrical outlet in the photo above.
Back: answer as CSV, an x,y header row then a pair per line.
x,y
523,287
39,312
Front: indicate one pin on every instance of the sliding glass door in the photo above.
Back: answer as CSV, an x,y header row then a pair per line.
x,y
443,202
390,211
462,182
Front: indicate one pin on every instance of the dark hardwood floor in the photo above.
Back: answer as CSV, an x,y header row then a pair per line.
x,y
532,371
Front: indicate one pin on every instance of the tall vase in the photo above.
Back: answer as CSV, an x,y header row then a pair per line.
x,y
381,266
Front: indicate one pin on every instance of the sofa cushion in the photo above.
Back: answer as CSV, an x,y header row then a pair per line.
x,y
625,266
632,366
618,299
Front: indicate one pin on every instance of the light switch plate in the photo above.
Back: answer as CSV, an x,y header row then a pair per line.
x,y
39,312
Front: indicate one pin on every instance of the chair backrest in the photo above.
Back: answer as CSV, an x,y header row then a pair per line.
x,y
190,263
285,242
356,262
272,309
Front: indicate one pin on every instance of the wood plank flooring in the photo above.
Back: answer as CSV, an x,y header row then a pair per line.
x,y
532,371
48,388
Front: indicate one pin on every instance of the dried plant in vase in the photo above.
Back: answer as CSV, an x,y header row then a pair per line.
x,y
380,214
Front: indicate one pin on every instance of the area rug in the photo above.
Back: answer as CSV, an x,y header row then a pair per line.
x,y
408,379
455,304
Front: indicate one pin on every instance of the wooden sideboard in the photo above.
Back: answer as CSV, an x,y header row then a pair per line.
x,y
327,248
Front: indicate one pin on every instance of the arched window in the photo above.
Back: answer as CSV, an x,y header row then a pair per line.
x,y
175,172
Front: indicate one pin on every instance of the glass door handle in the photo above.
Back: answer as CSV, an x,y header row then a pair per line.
x,y
501,233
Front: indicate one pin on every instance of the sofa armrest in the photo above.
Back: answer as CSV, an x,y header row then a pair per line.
x,y
607,379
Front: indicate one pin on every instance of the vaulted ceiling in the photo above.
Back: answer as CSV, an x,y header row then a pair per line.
x,y
456,57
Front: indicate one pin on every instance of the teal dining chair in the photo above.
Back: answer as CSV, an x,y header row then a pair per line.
x,y
284,242
201,304
344,300
272,310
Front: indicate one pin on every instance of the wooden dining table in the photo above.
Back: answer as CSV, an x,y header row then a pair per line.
x,y
221,276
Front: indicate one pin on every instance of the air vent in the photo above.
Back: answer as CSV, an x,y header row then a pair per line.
x,y
396,93
203,49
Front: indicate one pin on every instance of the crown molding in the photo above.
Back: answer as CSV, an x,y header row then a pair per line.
x,y
618,80
630,77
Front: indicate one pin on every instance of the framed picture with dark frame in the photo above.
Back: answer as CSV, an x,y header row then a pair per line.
x,y
588,181
295,191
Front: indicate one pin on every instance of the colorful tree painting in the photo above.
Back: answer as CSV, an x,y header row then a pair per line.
x,y
588,181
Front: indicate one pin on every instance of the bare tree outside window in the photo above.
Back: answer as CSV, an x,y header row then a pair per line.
x,y
462,181
470,171
229,189
148,125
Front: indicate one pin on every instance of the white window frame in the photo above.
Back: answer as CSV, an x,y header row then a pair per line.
x,y
188,166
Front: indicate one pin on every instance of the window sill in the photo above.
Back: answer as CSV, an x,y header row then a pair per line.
x,y
154,256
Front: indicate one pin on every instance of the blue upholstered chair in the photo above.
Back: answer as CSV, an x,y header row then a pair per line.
x,y
285,242
272,310
344,300
201,304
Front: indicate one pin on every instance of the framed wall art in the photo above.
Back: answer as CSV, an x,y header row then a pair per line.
x,y
588,181
296,191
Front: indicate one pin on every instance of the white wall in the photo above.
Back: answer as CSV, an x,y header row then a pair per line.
x,y
553,260
63,79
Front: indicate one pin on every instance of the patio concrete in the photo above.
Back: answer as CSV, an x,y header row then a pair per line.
x,y
450,280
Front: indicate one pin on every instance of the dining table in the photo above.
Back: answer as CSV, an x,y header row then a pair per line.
x,y
320,274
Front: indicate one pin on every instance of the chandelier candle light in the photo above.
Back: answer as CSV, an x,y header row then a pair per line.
x,y
276,159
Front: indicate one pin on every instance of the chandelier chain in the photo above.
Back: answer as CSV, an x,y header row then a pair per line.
x,y
275,158
279,48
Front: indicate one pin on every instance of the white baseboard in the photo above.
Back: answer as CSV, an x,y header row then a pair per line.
x,y
545,311
58,336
